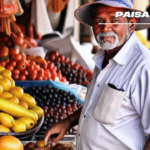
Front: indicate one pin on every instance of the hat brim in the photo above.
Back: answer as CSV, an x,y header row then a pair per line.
x,y
84,14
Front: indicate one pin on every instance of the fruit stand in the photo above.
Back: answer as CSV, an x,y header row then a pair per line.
x,y
36,90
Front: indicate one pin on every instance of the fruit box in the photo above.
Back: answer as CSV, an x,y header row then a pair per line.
x,y
27,84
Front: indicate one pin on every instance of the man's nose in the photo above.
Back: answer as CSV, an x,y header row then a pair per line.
x,y
106,27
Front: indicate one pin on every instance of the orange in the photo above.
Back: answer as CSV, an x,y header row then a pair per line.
x,y
14,99
5,95
1,77
23,104
16,91
5,83
6,74
10,143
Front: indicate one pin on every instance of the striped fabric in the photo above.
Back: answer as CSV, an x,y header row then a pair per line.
x,y
127,3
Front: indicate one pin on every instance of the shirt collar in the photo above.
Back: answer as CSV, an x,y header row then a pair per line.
x,y
121,56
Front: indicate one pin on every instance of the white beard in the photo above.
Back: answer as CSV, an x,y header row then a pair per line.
x,y
107,45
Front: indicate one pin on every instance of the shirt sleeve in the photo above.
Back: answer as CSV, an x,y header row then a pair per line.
x,y
140,97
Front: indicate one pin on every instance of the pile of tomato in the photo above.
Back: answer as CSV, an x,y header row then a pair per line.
x,y
23,68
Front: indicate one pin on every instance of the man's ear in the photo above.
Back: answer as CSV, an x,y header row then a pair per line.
x,y
132,24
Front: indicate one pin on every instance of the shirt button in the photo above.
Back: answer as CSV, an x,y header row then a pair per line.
x,y
84,116
79,134
98,85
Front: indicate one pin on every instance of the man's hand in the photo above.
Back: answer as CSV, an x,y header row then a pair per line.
x,y
60,128
147,145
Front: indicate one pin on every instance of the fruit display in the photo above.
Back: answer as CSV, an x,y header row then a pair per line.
x,y
73,72
10,143
28,68
18,110
56,103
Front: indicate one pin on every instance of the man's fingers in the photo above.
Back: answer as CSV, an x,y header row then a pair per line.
x,y
58,138
47,137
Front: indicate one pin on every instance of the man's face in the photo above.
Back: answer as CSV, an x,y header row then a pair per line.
x,y
110,35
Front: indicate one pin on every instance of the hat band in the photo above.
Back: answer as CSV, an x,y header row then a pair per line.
x,y
126,3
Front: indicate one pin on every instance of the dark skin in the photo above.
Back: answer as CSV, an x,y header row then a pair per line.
x,y
102,14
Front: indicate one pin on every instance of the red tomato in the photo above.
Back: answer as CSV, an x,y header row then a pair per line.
x,y
46,72
50,66
48,62
71,63
54,68
16,71
3,63
41,72
62,58
7,61
18,57
44,78
75,67
32,76
47,56
21,65
22,77
66,60
24,72
63,79
59,75
44,65
40,78
15,76
52,57
4,51
81,68
27,63
55,53
36,67
32,63
23,56
9,67
53,75
13,63
13,51
48,75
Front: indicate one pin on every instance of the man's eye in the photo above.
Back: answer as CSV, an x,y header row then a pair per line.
x,y
115,20
98,21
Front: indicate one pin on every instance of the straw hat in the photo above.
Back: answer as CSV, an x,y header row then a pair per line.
x,y
84,14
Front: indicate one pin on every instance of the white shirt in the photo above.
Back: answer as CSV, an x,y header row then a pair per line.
x,y
128,70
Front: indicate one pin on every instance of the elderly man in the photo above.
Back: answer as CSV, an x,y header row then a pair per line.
x,y
116,112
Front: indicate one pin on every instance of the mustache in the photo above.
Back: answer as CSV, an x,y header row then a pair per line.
x,y
107,34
